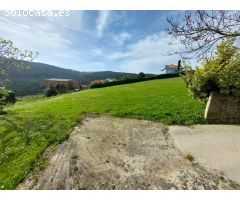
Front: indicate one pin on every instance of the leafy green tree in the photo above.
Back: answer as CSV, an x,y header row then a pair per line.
x,y
51,92
10,56
125,78
141,75
61,88
179,65
222,72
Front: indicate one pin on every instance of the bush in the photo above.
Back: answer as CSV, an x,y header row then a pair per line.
x,y
222,72
10,97
60,88
50,92
6,96
97,84
132,80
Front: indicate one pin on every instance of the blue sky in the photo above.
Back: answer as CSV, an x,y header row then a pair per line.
x,y
127,41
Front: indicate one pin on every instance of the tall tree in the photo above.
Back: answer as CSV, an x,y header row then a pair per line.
x,y
200,31
179,65
11,56
141,75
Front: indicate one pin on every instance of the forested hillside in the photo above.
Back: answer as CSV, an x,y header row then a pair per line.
x,y
31,80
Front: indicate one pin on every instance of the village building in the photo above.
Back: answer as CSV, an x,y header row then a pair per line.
x,y
171,69
70,84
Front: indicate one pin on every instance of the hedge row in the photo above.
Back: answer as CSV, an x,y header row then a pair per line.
x,y
133,80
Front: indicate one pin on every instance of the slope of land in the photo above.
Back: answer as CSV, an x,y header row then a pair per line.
x,y
113,153
31,81
31,126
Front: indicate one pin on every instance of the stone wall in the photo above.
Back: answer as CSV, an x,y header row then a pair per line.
x,y
223,108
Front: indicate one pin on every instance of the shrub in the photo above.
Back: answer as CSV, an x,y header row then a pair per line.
x,y
10,97
97,84
222,72
50,92
132,80
6,96
60,88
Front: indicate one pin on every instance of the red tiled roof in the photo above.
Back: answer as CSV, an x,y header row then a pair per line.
x,y
170,66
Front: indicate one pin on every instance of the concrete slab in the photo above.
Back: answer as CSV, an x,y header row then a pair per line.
x,y
115,153
214,146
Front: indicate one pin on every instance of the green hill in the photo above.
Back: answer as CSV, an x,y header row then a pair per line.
x,y
31,81
32,125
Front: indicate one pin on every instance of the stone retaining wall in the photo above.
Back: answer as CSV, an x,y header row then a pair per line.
x,y
223,108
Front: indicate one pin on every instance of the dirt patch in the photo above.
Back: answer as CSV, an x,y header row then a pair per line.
x,y
112,153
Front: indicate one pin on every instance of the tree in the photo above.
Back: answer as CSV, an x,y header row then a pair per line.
x,y
51,92
125,77
60,88
179,65
200,31
141,75
10,56
6,96
221,72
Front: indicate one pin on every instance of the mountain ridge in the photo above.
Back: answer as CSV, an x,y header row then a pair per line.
x,y
31,81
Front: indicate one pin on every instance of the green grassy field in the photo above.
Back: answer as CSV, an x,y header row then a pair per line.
x,y
31,125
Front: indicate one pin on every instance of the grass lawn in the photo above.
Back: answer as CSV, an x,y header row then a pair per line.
x,y
32,125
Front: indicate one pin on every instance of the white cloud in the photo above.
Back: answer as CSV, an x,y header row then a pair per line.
x,y
97,51
73,22
118,55
39,34
32,35
148,54
72,42
50,37
102,22
122,37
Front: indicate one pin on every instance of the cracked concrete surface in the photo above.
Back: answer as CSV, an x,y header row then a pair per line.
x,y
112,153
215,146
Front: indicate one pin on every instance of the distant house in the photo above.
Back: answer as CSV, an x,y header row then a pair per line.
x,y
171,69
70,84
